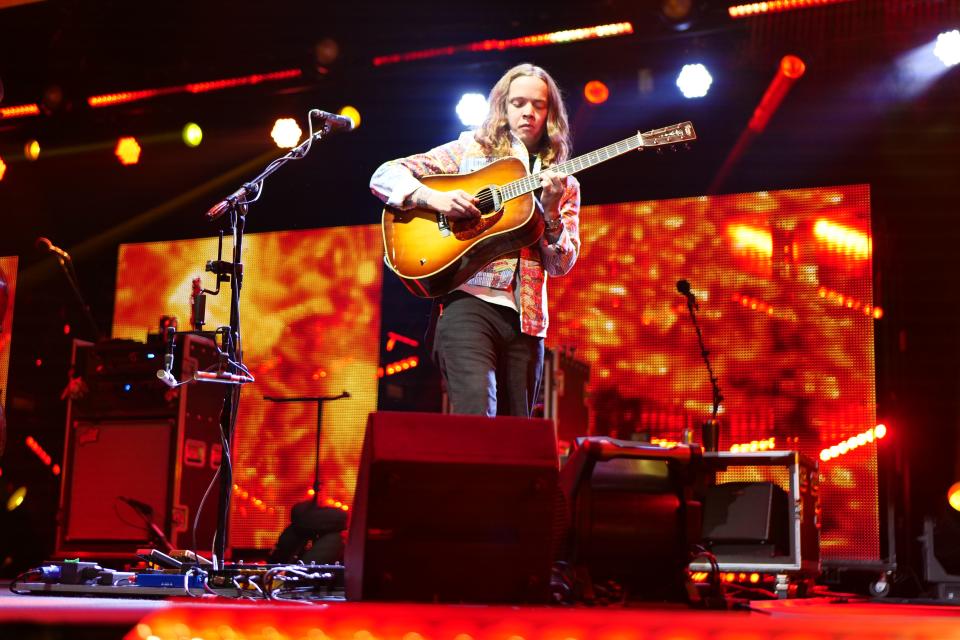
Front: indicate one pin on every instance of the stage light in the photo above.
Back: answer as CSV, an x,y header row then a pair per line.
x,y
3,168
127,150
853,442
16,498
953,495
326,51
31,150
677,13
596,92
948,48
694,80
286,133
192,134
792,67
472,109
352,113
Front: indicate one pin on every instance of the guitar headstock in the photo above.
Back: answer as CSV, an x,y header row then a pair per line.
x,y
674,134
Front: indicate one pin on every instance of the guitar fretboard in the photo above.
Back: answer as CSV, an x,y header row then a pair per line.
x,y
531,183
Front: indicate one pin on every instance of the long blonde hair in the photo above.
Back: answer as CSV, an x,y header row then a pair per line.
x,y
494,134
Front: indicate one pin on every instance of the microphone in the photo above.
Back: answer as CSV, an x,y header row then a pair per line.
x,y
240,195
333,121
44,244
142,507
221,376
166,378
684,287
165,375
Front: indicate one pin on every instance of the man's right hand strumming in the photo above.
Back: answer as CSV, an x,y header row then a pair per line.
x,y
455,205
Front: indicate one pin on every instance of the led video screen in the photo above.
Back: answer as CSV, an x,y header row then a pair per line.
x,y
310,311
784,284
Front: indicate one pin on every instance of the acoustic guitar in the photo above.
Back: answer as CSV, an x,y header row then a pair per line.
x,y
433,256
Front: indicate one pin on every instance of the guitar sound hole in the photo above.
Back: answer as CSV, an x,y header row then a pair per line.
x,y
489,200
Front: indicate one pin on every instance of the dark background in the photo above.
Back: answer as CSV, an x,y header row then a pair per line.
x,y
852,118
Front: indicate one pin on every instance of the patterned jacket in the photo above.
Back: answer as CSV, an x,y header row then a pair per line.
x,y
395,181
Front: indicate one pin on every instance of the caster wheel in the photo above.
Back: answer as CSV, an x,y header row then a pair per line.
x,y
879,588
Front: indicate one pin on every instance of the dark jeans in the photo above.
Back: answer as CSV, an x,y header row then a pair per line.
x,y
488,365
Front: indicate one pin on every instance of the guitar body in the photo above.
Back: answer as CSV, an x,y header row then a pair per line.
x,y
431,263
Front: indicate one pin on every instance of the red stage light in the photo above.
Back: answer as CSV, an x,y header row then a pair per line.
x,y
110,99
792,67
953,495
3,168
596,92
543,39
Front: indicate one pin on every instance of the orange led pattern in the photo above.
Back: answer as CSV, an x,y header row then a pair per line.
x,y
853,442
776,6
330,502
41,453
850,303
753,304
398,367
540,40
19,111
393,338
240,493
755,445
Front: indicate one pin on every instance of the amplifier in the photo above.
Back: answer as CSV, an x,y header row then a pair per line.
x,y
138,456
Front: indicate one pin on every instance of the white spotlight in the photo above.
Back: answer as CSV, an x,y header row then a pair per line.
x,y
694,80
472,109
948,48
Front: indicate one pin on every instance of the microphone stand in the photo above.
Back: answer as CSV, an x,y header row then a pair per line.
x,y
69,271
319,400
234,208
711,428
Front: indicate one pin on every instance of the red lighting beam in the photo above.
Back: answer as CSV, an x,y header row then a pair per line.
x,y
776,6
790,70
111,99
539,40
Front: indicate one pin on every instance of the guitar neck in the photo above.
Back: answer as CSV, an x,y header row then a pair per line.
x,y
531,183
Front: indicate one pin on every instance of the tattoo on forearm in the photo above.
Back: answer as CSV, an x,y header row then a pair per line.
x,y
419,199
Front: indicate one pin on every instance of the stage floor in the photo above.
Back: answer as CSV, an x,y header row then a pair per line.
x,y
218,618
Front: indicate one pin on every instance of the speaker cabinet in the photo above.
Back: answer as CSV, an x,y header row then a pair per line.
x,y
746,518
453,508
138,455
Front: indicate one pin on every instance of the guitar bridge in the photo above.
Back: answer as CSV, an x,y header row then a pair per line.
x,y
443,224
